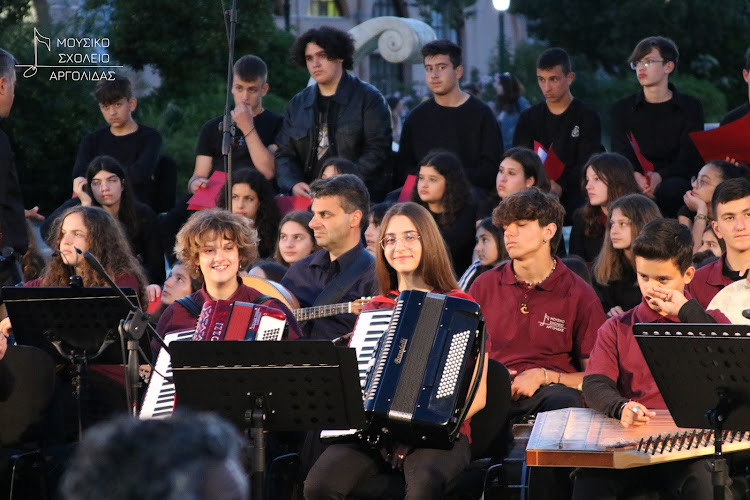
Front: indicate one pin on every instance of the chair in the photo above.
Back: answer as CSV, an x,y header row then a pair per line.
x,y
485,428
22,423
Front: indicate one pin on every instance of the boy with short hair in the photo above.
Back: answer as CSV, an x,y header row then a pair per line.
x,y
135,146
567,125
618,382
659,118
254,141
730,204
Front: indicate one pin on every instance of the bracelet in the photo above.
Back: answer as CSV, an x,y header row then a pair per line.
x,y
546,377
622,407
251,131
701,217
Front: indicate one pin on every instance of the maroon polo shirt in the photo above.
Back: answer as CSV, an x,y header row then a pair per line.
x,y
708,281
618,356
559,330
176,317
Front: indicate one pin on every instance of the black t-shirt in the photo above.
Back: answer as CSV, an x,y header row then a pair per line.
x,y
736,114
267,124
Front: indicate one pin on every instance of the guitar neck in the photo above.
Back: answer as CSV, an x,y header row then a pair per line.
x,y
316,312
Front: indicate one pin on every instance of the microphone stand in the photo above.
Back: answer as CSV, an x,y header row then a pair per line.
x,y
228,126
132,328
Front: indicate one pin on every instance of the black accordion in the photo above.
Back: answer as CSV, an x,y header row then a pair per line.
x,y
417,388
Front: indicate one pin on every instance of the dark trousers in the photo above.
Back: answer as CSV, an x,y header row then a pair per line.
x,y
341,467
669,195
686,480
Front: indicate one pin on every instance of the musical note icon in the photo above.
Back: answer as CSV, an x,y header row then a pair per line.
x,y
38,37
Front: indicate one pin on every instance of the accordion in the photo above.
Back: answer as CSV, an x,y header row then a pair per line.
x,y
420,387
219,320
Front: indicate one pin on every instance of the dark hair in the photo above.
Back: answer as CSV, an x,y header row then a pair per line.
x,y
704,258
576,264
617,173
107,242
667,49
126,213
443,48
343,165
272,269
188,443
250,68
301,217
268,215
747,59
497,235
730,190
552,57
611,263
435,265
665,239
531,204
457,188
7,64
378,210
729,170
512,90
722,243
336,43
350,189
109,92
532,165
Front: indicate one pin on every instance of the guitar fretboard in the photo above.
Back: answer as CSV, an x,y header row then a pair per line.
x,y
315,312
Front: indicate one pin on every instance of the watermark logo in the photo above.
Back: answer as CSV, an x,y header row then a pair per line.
x,y
92,65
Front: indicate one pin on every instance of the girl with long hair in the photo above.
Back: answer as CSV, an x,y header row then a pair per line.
x,y
106,185
607,177
411,256
490,250
443,189
615,280
253,198
520,169
296,240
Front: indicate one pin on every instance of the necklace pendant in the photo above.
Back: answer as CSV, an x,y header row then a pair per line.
x,y
524,309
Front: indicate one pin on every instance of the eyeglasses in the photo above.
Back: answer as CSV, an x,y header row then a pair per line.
x,y
645,64
410,240
699,182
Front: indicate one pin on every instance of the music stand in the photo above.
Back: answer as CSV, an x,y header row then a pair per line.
x,y
275,386
78,325
703,374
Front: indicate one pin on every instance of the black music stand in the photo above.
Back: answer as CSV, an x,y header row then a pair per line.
x,y
703,374
275,386
78,325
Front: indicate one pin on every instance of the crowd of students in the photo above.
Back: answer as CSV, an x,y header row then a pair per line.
x,y
546,323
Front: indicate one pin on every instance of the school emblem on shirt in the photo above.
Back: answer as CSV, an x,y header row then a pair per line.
x,y
575,132
556,324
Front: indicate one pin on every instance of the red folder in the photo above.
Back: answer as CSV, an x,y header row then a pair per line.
x,y
731,140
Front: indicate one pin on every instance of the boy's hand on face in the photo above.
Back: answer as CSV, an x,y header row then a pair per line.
x,y
242,114
665,301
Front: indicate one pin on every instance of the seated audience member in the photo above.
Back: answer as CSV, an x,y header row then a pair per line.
x,y
520,169
510,103
178,284
606,177
200,456
618,382
489,251
442,188
94,230
217,245
269,270
107,185
711,243
296,239
614,267
742,109
541,318
339,115
254,140
335,166
696,213
253,198
730,204
135,146
658,118
411,256
343,270
372,233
